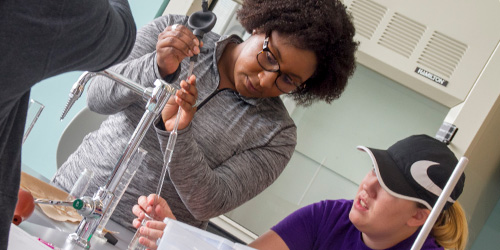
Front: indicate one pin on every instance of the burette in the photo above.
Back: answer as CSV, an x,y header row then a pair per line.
x,y
200,22
170,147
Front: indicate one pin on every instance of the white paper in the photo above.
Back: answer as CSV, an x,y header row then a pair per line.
x,y
21,240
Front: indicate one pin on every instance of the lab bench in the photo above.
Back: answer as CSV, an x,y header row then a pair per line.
x,y
55,232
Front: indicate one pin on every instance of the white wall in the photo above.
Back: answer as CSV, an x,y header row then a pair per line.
x,y
374,111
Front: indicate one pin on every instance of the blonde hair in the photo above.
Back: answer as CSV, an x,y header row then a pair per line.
x,y
450,229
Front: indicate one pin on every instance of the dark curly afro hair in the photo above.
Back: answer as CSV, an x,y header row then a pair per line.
x,y
323,26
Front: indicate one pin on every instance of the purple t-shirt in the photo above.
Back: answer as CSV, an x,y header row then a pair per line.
x,y
326,225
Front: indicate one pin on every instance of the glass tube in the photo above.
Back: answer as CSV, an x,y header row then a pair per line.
x,y
80,187
35,108
127,176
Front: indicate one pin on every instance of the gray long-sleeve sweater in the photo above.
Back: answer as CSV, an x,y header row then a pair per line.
x,y
233,149
40,39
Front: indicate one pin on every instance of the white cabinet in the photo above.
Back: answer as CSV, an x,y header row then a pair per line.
x,y
437,48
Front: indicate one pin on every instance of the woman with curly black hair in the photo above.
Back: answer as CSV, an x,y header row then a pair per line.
x,y
235,136
322,27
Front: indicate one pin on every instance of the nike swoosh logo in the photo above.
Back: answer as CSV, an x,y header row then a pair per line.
x,y
419,173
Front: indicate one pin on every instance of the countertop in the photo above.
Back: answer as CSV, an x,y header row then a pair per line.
x,y
40,226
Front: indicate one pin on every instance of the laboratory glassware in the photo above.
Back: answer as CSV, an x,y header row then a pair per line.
x,y
93,209
35,108
80,187
129,173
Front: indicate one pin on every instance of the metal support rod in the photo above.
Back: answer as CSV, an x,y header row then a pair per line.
x,y
161,93
94,209
79,86
438,207
136,88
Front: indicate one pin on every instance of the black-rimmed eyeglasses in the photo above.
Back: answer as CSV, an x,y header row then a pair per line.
x,y
269,63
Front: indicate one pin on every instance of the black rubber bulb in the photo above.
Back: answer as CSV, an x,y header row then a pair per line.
x,y
201,22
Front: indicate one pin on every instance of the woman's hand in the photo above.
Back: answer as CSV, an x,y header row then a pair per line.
x,y
147,205
185,98
175,43
151,232
153,229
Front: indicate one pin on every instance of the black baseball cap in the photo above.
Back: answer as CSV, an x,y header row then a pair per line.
x,y
416,168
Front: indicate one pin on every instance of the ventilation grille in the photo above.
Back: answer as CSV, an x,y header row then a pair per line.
x,y
402,35
366,16
442,54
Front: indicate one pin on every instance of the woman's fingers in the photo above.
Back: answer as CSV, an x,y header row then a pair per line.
x,y
142,201
137,211
175,47
161,210
156,228
175,43
187,96
152,230
142,207
151,233
185,100
192,80
182,32
180,38
150,244
136,223
153,199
